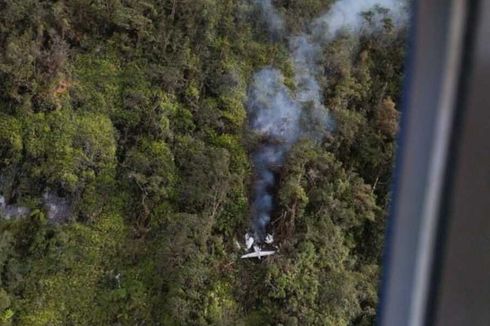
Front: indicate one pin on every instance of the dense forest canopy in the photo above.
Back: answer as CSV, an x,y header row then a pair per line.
x,y
126,174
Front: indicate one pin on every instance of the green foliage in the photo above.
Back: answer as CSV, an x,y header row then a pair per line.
x,y
299,13
97,88
65,289
66,151
135,113
10,141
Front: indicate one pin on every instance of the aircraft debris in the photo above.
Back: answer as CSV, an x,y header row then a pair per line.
x,y
250,243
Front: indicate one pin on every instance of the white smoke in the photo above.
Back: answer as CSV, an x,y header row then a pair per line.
x,y
346,15
280,117
272,111
275,23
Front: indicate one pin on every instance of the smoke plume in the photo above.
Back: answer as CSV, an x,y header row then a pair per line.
x,y
271,17
346,16
278,116
274,118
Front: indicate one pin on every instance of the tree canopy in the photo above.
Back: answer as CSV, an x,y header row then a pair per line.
x,y
133,115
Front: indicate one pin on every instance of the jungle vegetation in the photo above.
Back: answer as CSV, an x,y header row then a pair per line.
x,y
134,112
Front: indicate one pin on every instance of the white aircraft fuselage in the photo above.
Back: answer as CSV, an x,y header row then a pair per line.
x,y
258,252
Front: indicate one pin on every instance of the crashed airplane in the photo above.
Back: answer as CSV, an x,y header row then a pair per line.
x,y
257,250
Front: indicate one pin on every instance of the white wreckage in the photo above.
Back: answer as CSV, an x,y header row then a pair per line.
x,y
257,250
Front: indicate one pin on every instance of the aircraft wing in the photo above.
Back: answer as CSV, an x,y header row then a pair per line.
x,y
258,254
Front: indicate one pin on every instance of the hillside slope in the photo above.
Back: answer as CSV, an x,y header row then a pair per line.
x,y
125,166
